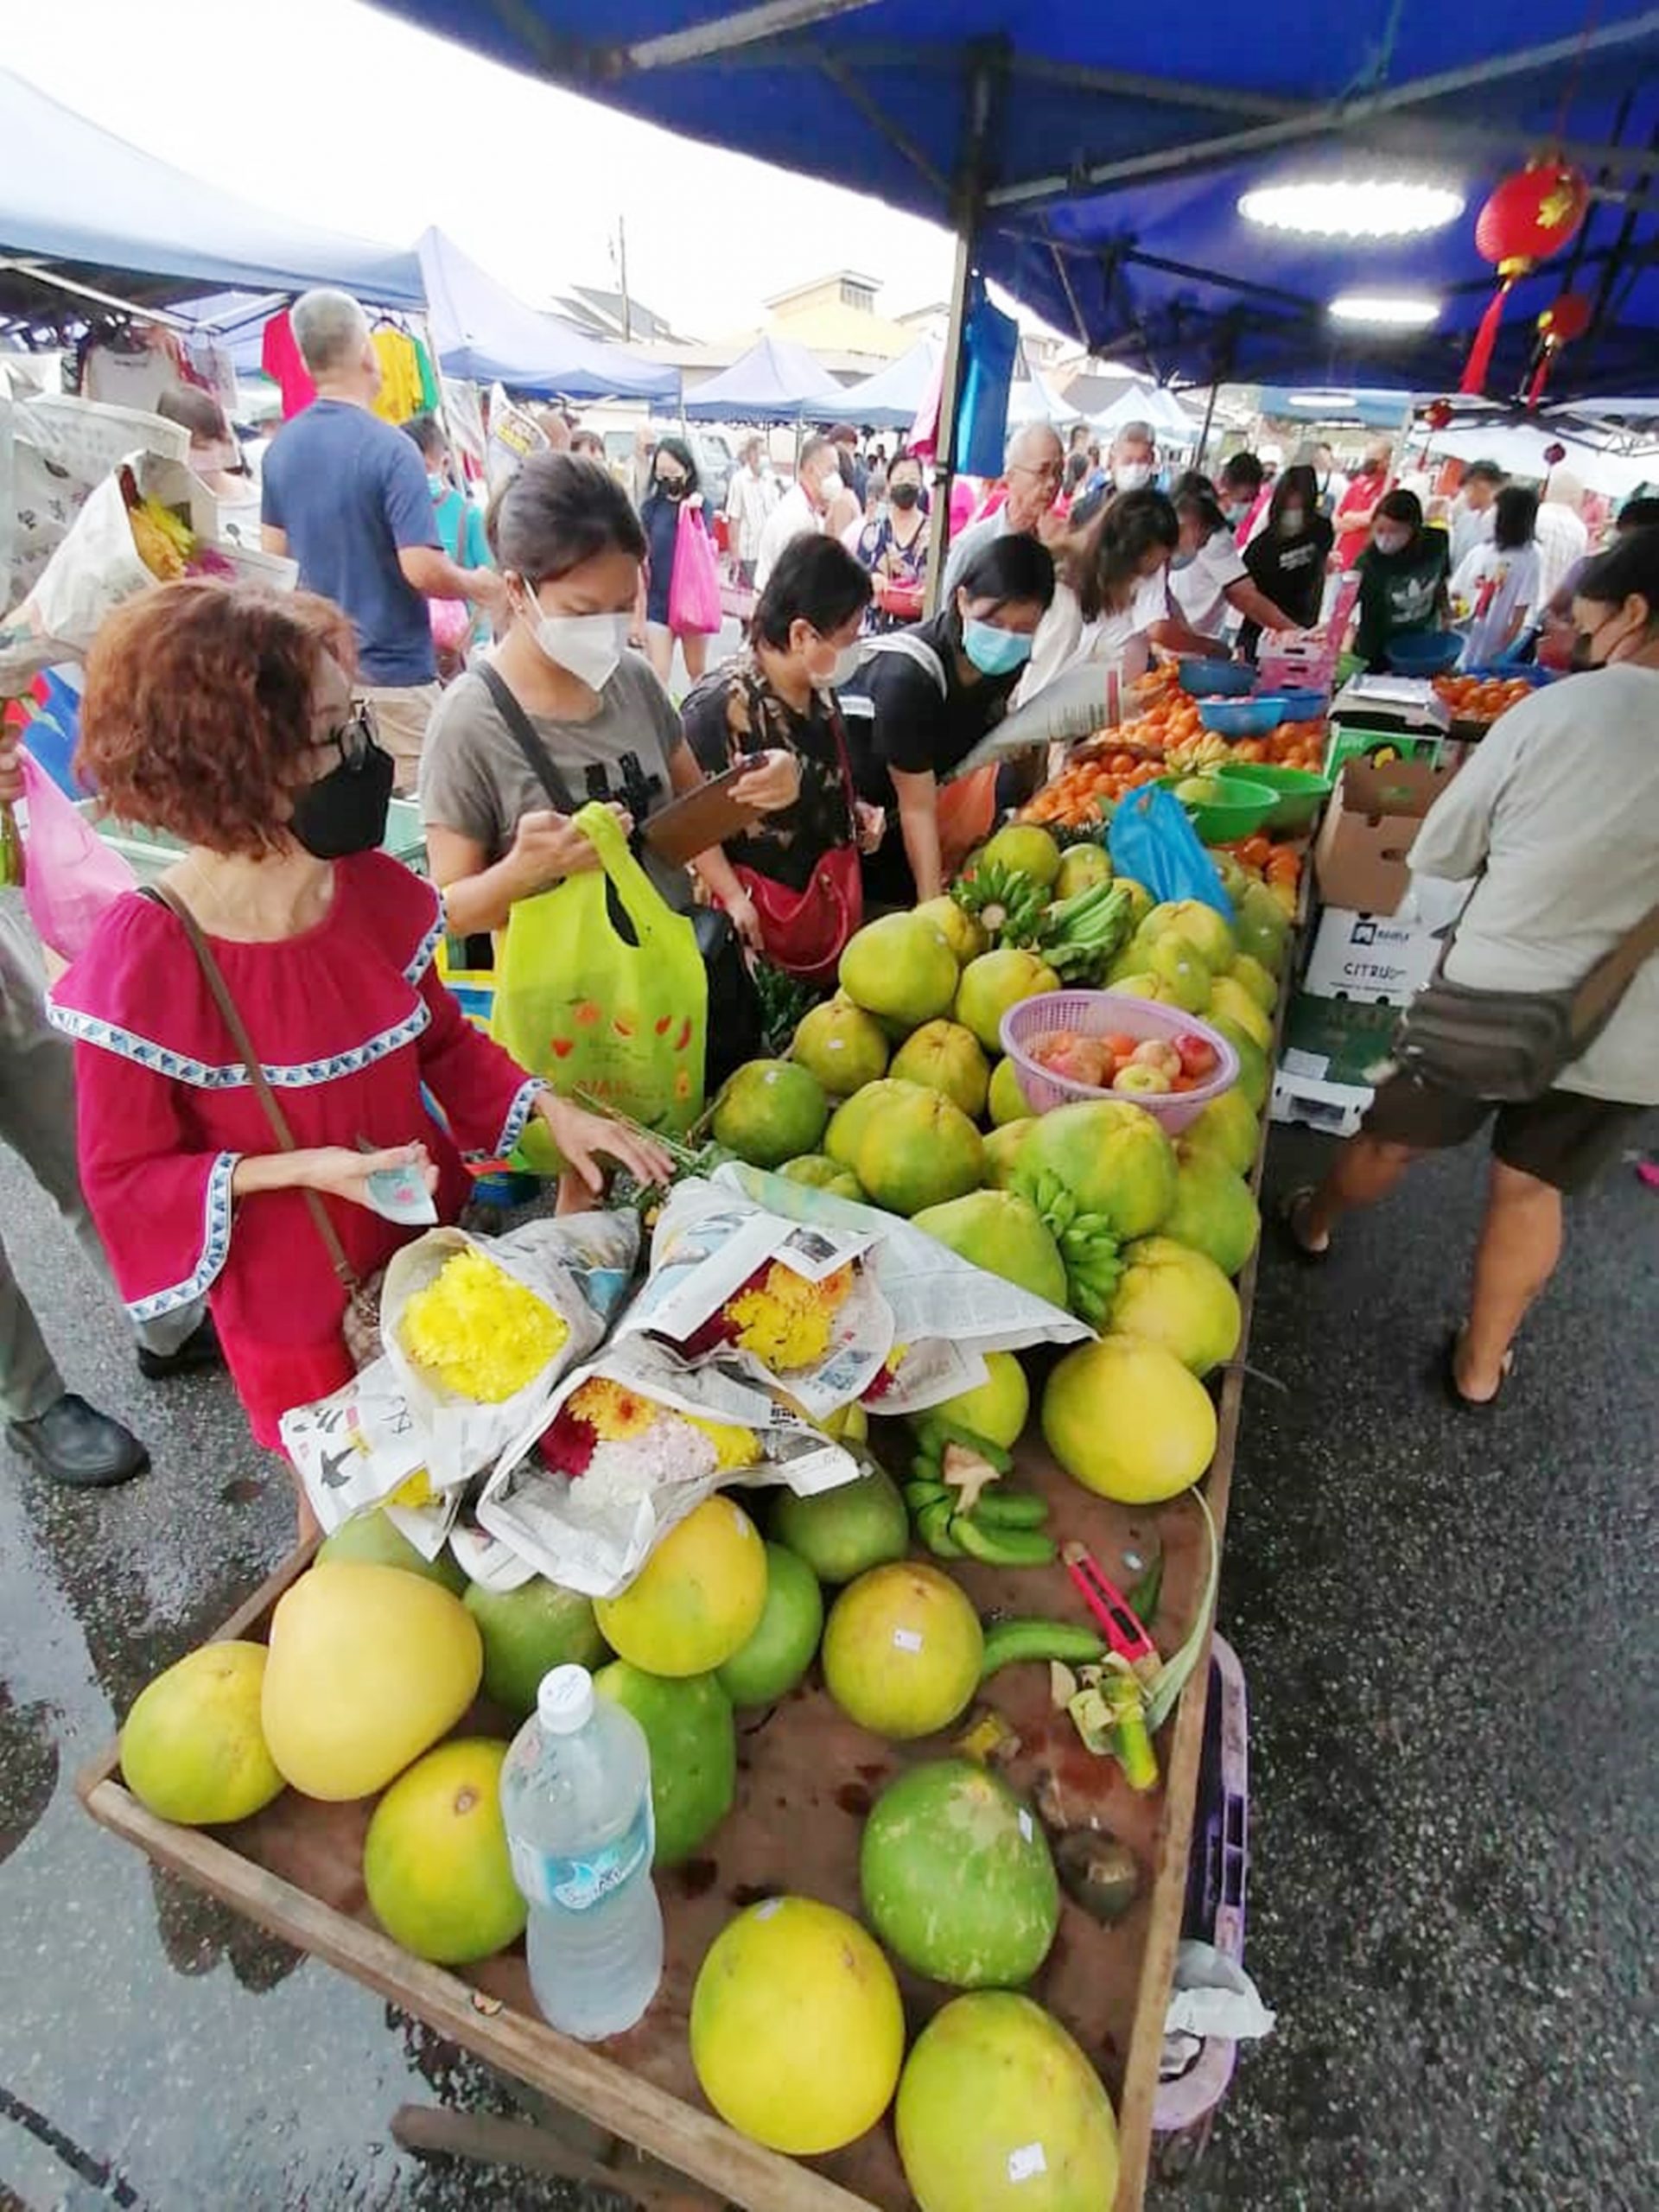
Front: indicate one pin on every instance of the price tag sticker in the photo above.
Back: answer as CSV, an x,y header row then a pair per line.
x,y
1027,2163
1026,1828
906,1639
771,1906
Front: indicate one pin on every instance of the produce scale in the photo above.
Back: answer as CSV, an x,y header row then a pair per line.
x,y
632,2113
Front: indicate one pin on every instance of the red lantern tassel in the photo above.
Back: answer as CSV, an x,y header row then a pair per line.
x,y
1480,354
1535,388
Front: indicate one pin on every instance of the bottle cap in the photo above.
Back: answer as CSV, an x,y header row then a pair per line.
x,y
565,1701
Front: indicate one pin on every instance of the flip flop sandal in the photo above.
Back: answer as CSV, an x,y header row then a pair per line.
x,y
1456,1395
1304,1255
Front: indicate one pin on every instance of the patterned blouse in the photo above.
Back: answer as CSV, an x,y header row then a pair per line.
x,y
734,713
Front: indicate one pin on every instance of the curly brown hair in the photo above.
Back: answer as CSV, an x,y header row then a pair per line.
x,y
198,708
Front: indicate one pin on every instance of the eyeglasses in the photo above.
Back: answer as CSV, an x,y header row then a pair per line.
x,y
356,737
1051,472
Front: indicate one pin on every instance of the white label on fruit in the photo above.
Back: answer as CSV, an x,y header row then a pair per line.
x,y
772,1905
1026,1828
905,1639
1027,2162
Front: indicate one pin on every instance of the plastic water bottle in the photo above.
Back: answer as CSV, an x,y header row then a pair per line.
x,y
575,1796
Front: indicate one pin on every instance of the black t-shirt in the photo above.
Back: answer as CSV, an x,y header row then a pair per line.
x,y
734,712
897,717
1400,592
1290,571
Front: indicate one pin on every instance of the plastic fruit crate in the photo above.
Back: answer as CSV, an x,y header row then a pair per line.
x,y
1110,1013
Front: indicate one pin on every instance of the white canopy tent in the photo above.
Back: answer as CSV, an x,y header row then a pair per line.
x,y
1520,448
1153,404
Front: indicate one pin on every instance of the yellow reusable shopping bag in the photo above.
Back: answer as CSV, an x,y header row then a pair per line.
x,y
626,1023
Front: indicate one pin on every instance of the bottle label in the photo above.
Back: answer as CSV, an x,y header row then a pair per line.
x,y
577,1884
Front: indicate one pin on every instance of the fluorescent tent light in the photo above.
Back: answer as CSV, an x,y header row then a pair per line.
x,y
1394,311
1353,207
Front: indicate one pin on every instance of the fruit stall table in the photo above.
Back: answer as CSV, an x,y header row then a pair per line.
x,y
807,1776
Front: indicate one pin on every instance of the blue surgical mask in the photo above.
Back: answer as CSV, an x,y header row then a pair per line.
x,y
436,485
993,652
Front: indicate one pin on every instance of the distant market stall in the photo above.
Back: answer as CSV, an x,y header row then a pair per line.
x,y
776,381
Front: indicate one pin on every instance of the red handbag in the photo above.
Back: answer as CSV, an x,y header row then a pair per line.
x,y
806,932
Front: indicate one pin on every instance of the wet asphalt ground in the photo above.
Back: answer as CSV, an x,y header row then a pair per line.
x,y
1447,1628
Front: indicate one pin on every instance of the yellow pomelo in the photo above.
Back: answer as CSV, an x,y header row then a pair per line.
x,y
996,1407
434,1860
1005,1101
368,1667
696,1599
797,2030
192,1750
1229,998
1126,1420
1081,868
957,926
1258,981
902,1650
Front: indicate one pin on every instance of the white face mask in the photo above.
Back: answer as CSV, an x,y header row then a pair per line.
x,y
830,489
848,661
1132,475
589,645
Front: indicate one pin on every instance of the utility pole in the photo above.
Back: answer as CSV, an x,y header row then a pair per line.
x,y
622,277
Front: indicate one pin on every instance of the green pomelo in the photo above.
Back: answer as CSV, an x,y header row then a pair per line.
x,y
957,1877
1258,981
1024,846
848,1122
1213,1211
1004,1233
842,1533
997,1407
819,1173
529,1632
434,1860
841,1045
372,1538
1255,1078
917,1150
994,982
901,969
1228,1129
1002,1150
1005,1100
780,1652
958,928
769,1110
688,1725
1113,1158
1082,866
1171,1295
944,1057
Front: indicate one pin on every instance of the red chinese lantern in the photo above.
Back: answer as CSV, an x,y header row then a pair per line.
x,y
1531,215
1561,321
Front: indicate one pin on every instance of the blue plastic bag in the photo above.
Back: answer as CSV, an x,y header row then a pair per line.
x,y
1152,841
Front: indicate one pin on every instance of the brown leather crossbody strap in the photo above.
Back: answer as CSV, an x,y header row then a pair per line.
x,y
219,989
1598,996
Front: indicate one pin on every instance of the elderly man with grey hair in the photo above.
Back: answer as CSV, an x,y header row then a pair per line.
x,y
1032,473
346,496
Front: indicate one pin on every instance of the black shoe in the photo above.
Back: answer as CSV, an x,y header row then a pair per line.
x,y
199,1350
74,1443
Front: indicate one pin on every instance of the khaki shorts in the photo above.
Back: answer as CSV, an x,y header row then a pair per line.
x,y
1562,1139
402,712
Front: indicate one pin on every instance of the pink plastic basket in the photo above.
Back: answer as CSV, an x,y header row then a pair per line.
x,y
1109,1014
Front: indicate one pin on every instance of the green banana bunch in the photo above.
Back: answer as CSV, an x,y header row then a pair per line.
x,y
1088,1247
1006,902
1079,936
961,1509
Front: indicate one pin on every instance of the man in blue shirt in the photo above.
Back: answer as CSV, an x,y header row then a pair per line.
x,y
345,495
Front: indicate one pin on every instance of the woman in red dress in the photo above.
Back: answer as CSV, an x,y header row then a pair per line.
x,y
224,716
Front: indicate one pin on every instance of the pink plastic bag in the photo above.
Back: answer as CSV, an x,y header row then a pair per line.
x,y
70,874
694,609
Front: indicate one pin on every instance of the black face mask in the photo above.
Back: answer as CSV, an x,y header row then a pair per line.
x,y
345,811
671,491
905,495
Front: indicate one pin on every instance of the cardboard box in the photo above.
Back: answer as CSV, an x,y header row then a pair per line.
x,y
1332,1050
1386,718
1370,957
1359,860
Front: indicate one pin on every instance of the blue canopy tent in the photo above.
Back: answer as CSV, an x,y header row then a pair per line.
x,y
1091,159
774,381
84,212
481,331
890,399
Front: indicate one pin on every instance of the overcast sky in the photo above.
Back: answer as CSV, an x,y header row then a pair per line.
x,y
332,112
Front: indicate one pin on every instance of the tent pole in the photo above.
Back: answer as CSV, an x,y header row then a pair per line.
x,y
1209,417
970,201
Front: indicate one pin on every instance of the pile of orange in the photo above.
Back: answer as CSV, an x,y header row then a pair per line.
x,y
1279,865
1481,698
1292,744
1073,800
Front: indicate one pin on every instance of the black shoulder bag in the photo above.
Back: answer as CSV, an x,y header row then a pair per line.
x,y
1510,1045
736,1030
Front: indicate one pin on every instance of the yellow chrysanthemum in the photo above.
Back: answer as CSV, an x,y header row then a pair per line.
x,y
787,1323
479,1333
414,1491
734,1447
612,1411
